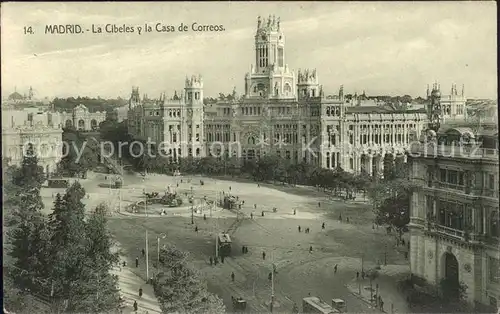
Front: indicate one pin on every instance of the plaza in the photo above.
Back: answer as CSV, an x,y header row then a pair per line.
x,y
351,246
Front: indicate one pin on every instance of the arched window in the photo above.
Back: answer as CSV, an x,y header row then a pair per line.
x,y
288,89
251,140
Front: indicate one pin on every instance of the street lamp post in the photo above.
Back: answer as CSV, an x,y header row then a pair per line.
x,y
192,207
147,258
272,288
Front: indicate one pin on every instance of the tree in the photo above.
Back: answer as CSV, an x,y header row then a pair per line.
x,y
179,288
68,243
30,174
28,235
391,199
99,293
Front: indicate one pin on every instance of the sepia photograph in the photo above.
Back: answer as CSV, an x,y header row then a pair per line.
x,y
250,157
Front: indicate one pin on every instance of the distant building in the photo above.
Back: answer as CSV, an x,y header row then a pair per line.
x,y
82,119
280,113
43,130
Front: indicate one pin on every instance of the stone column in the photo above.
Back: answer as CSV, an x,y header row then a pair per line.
x,y
358,163
370,165
393,135
414,252
485,214
421,255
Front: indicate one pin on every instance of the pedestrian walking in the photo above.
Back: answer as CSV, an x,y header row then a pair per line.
x,y
262,213
310,249
403,242
243,249
216,260
323,226
211,261
347,219
362,274
319,204
255,206
196,228
135,306
136,262
229,188
232,276
357,275
270,276
258,185
299,228
222,259
204,216
294,212
140,292
340,217
143,252
263,255
251,215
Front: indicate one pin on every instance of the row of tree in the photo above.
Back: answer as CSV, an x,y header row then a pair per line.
x,y
64,258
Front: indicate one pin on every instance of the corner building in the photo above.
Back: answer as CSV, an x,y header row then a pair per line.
x,y
454,213
280,113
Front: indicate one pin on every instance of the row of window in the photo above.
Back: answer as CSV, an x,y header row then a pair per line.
x,y
218,126
250,111
171,127
285,126
197,95
263,56
173,137
174,153
455,215
455,179
333,111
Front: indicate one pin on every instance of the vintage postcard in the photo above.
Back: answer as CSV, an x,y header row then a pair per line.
x,y
258,157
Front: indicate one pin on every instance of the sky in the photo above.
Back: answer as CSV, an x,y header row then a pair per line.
x,y
382,48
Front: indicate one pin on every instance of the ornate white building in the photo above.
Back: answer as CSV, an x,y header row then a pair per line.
x,y
82,119
280,113
455,224
43,130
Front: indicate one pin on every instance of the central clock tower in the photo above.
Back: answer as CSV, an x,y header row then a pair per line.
x,y
270,77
